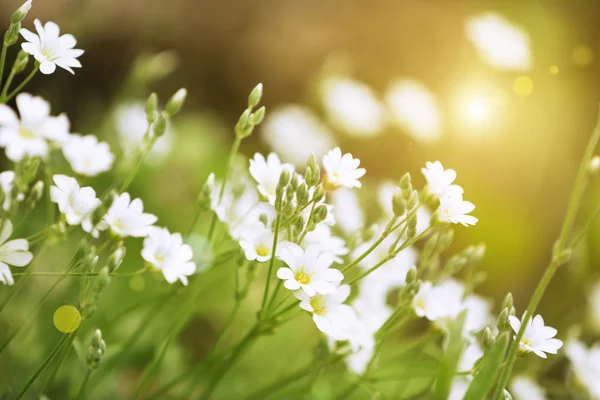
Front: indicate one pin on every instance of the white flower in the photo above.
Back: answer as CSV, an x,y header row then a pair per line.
x,y
12,253
441,301
168,253
25,7
6,181
131,126
478,314
29,135
266,174
352,107
348,213
524,388
74,202
586,365
341,170
50,48
454,209
86,155
438,179
294,132
460,385
308,270
537,338
127,218
257,243
470,355
322,236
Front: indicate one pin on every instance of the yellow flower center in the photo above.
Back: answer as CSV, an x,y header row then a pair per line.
x,y
420,303
262,251
302,277
26,133
118,224
526,342
318,304
159,258
330,182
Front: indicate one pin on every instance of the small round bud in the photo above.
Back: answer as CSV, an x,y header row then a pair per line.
x,y
302,194
160,127
487,338
115,260
299,224
255,96
405,182
21,13
508,301
20,62
258,116
503,324
296,181
284,178
320,213
151,108
12,34
318,194
398,204
176,102
96,338
411,275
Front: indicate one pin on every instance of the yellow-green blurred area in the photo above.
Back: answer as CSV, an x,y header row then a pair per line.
x,y
514,133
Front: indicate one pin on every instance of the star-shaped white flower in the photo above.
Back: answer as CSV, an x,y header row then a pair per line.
x,y
266,173
322,236
438,179
257,243
454,209
30,134
50,48
126,217
341,170
14,252
74,202
308,270
586,365
168,253
538,338
441,301
86,155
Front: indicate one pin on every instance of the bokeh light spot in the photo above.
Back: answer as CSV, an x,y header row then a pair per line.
x,y
554,70
582,55
523,86
67,319
137,283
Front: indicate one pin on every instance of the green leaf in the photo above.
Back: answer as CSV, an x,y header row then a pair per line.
x,y
485,378
449,362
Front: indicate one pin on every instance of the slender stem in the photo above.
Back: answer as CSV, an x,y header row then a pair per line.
x,y
271,263
9,80
571,214
281,383
61,357
133,172
2,61
45,363
586,229
65,274
228,323
22,85
348,391
274,296
81,393
305,231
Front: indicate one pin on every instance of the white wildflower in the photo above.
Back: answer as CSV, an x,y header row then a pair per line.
x,y
257,243
126,217
341,170
347,211
586,365
266,173
86,155
454,209
14,252
525,388
169,254
441,301
322,236
438,179
538,338
74,202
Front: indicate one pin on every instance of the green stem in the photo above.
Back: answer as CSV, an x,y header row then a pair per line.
x,y
134,171
81,393
271,263
45,363
586,229
2,60
571,214
22,85
9,80
228,323
61,357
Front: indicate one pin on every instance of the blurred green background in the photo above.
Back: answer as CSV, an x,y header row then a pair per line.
x,y
517,165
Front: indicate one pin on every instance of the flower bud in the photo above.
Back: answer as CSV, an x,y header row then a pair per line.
x,y
258,116
21,13
320,213
12,34
503,324
508,301
151,108
455,264
299,224
398,204
115,260
507,395
20,62
35,195
296,181
411,275
96,350
411,229
204,200
487,338
413,200
446,240
318,194
302,195
176,102
160,127
284,178
405,183
289,193
255,96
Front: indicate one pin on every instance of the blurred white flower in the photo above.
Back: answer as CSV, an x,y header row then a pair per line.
x,y
14,252
74,202
538,338
50,48
168,253
500,44
322,236
454,209
307,270
266,173
29,135
131,126
470,355
523,387
6,182
586,365
438,179
415,109
341,170
295,133
127,218
441,301
86,155
478,314
459,388
348,213
257,243
352,107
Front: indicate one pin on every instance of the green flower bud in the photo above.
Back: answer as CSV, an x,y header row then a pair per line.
x,y
508,301
151,108
405,182
313,171
455,264
318,194
204,199
12,34
398,204
255,96
96,339
302,195
242,128
299,224
413,200
20,62
411,275
320,213
296,181
446,240
503,324
284,178
258,116
487,338
115,260
21,13
160,126
176,102
96,350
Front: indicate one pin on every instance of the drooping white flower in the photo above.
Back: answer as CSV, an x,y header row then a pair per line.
x,y
126,217
14,252
295,132
308,270
86,155
341,170
168,253
322,236
348,213
257,243
352,107
74,202
50,48
266,173
523,387
454,209
438,179
441,301
131,126
586,365
30,134
538,338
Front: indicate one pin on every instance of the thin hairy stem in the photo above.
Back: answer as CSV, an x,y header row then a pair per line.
x,y
271,263
86,379
22,85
